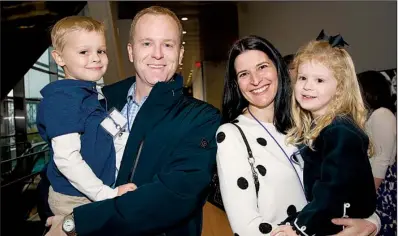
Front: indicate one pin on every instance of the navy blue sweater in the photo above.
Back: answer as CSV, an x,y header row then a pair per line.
x,y
72,106
338,179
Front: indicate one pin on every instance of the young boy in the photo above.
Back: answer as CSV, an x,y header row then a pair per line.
x,y
83,160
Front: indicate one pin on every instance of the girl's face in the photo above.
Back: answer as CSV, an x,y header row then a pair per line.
x,y
315,87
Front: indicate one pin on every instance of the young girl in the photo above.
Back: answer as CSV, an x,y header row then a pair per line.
x,y
329,118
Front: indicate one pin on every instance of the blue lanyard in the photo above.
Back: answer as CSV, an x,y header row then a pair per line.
x,y
290,161
128,118
106,109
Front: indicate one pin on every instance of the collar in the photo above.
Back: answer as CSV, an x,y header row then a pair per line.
x,y
69,85
131,95
161,93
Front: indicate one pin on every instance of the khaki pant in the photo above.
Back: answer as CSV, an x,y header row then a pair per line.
x,y
61,204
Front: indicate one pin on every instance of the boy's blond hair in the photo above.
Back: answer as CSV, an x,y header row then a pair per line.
x,y
155,10
70,24
347,100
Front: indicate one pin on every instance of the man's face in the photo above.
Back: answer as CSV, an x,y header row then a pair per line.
x,y
156,50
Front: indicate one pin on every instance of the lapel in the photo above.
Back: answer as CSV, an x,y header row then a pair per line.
x,y
159,103
116,94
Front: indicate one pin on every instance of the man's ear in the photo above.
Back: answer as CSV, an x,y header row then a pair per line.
x,y
181,55
130,52
57,58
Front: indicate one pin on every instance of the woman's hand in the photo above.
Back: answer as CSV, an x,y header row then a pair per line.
x,y
284,230
355,227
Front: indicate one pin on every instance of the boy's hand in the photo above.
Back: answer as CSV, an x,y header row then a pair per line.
x,y
122,189
284,230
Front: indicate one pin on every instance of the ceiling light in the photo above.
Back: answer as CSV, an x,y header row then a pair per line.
x,y
184,32
183,43
184,18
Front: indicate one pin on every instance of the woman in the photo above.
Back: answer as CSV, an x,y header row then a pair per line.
x,y
260,176
382,128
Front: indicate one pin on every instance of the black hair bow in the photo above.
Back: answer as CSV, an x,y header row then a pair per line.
x,y
334,41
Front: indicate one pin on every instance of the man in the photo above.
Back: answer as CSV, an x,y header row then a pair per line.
x,y
170,152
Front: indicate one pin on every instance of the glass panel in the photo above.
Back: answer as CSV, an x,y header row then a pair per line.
x,y
7,128
31,112
34,138
7,113
43,62
34,81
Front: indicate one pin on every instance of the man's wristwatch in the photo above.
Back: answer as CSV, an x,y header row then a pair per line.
x,y
68,225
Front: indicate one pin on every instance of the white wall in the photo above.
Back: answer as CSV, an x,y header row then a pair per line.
x,y
102,11
369,27
197,85
123,28
213,76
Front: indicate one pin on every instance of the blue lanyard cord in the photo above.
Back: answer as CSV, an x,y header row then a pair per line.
x,y
106,108
128,119
290,161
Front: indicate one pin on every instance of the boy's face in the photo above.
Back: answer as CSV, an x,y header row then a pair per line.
x,y
83,56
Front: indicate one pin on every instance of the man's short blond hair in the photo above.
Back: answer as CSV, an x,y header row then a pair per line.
x,y
155,10
73,23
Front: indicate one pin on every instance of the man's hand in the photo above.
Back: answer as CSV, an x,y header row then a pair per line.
x,y
122,189
283,230
55,222
355,227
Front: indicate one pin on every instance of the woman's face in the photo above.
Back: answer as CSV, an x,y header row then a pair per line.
x,y
257,78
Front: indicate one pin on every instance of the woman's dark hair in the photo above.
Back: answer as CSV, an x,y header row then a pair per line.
x,y
233,100
376,91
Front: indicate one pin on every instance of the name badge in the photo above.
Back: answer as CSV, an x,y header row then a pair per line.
x,y
114,123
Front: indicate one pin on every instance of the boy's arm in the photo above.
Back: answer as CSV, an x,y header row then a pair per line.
x,y
70,163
